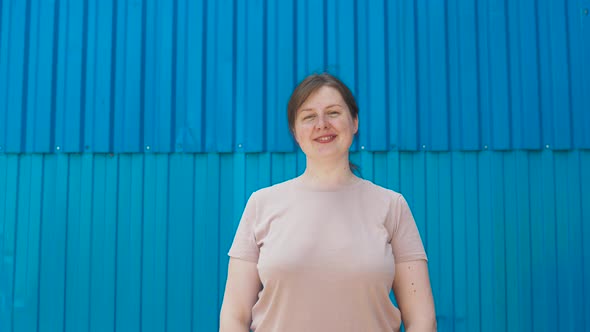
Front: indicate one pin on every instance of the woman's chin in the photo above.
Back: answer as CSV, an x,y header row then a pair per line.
x,y
329,154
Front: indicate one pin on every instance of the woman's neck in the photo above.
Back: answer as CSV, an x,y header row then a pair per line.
x,y
324,174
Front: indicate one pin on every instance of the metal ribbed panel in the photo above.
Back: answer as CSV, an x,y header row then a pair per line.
x,y
99,242
215,76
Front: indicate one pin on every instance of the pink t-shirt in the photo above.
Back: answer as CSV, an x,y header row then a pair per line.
x,y
326,259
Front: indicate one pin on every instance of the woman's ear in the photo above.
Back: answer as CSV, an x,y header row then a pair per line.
x,y
356,125
294,134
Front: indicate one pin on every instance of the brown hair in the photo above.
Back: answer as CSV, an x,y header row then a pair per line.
x,y
311,84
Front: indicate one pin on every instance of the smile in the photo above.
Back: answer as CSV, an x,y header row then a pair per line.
x,y
325,139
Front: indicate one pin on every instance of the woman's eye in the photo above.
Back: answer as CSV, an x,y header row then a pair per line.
x,y
308,117
334,114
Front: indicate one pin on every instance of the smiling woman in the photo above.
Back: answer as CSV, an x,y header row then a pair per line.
x,y
321,252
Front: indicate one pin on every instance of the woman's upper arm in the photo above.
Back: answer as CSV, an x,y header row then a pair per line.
x,y
413,293
241,290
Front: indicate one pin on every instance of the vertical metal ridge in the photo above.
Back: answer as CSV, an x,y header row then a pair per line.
x,y
478,74
186,132
585,196
167,243
90,244
142,77
234,72
418,134
504,217
204,99
324,35
33,77
113,73
14,252
217,182
116,241
509,88
568,56
4,307
554,218
539,89
193,215
65,252
141,239
295,48
41,199
553,223
484,69
449,144
478,199
25,81
452,227
265,110
355,88
530,237
180,35
1,25
4,59
530,209
174,70
84,68
387,97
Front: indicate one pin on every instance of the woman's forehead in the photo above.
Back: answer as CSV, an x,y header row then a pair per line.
x,y
324,97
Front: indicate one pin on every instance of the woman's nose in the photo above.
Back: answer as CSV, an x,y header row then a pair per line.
x,y
322,122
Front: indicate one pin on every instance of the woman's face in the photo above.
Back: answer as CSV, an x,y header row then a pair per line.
x,y
324,127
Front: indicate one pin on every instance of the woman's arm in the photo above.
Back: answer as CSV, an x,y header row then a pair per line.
x,y
241,293
413,293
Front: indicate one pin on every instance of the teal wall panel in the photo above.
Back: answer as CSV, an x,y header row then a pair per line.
x,y
100,242
476,110
130,76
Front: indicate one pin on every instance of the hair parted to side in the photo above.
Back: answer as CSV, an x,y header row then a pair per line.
x,y
313,83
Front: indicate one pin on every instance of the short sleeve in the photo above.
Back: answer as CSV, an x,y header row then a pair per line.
x,y
245,246
405,238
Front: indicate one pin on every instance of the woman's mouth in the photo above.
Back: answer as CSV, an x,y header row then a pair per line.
x,y
325,139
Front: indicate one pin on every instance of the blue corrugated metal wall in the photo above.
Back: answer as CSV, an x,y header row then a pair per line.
x,y
214,76
476,110
99,242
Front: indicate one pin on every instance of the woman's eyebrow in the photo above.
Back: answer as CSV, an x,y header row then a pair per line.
x,y
327,107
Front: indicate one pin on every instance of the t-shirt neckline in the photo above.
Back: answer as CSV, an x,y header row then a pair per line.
x,y
299,184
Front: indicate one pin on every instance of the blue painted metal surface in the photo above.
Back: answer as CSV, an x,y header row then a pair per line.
x,y
215,76
98,242
101,242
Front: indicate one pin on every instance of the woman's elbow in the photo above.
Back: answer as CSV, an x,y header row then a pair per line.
x,y
231,321
423,324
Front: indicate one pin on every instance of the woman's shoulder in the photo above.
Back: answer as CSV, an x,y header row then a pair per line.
x,y
275,190
377,190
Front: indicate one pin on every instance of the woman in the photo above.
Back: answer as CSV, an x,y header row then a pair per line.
x,y
321,252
